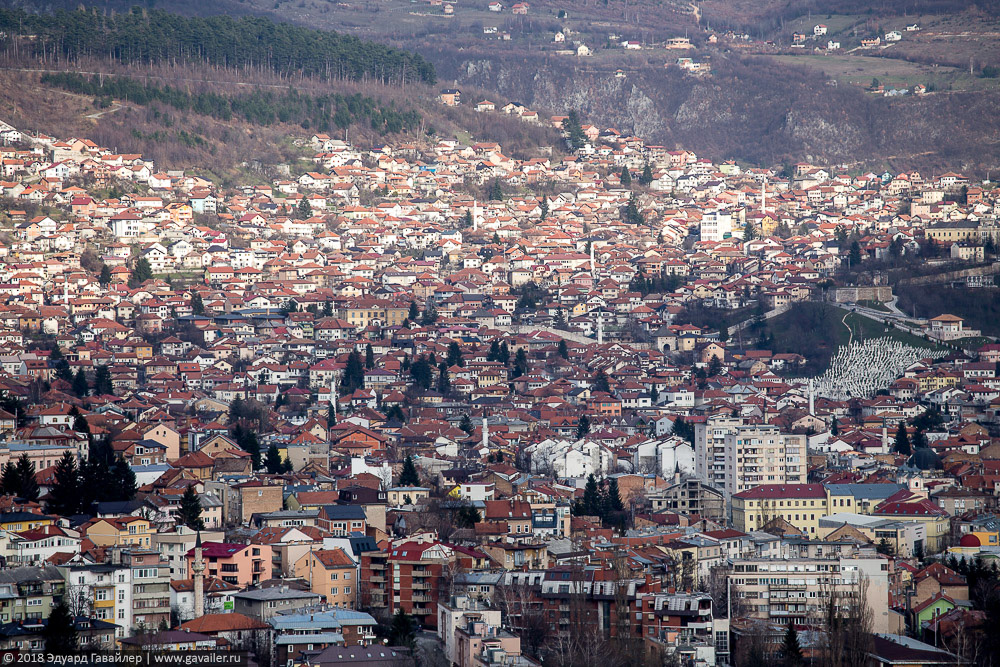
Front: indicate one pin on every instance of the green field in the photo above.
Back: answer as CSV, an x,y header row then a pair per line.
x,y
874,305
859,70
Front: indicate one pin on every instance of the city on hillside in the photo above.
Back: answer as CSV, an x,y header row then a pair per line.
x,y
425,403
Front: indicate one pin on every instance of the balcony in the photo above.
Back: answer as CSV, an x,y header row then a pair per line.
x,y
421,586
421,597
377,579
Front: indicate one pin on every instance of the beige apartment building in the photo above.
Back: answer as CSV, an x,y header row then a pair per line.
x,y
795,590
738,457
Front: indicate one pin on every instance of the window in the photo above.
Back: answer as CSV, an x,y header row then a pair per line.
x,y
347,590
333,576
333,590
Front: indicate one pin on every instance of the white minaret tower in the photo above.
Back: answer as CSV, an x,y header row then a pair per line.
x,y
600,330
475,215
812,398
66,290
593,270
198,578
486,434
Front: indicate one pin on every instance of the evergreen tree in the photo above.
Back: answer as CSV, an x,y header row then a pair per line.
x,y
354,374
834,427
632,215
142,272
902,443
504,357
80,424
520,363
544,206
102,382
496,192
59,632
466,424
64,497
613,499
80,386
190,510
369,357
9,481
467,220
27,484
467,516
444,382
304,209
574,131
855,255
455,355
402,630
409,476
582,427
494,353
749,231
791,651
647,175
626,178
563,349
429,316
105,277
123,480
272,461
592,505
414,312
601,382
421,373
197,305
654,395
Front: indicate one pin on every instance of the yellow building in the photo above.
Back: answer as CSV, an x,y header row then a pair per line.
x,y
330,573
16,522
801,505
120,531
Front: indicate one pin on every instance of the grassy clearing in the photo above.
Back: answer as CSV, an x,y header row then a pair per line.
x,y
874,305
859,70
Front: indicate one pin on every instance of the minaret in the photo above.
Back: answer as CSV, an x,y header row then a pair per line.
x,y
475,215
600,329
198,577
486,434
763,197
593,274
66,290
812,398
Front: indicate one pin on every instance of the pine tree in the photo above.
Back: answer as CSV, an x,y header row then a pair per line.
x,y
27,484
444,382
197,305
123,480
626,178
632,215
614,498
591,497
80,386
102,382
466,424
64,497
496,192
902,443
601,382
105,277
414,312
421,373
455,355
467,220
563,349
189,513
80,424
791,651
494,353
544,207
10,482
409,476
749,231
647,175
59,632
354,374
429,316
272,461
520,363
582,427
369,357
142,272
304,209
574,131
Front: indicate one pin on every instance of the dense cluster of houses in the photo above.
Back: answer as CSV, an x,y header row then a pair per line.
x,y
390,396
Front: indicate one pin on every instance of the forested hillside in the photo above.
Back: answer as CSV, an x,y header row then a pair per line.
x,y
321,113
247,43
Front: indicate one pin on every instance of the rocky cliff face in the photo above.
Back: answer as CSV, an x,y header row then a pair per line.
x,y
752,110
